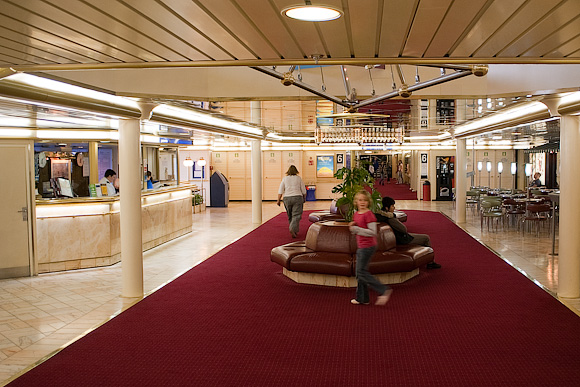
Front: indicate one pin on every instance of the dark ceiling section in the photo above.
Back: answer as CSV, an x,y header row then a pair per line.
x,y
398,111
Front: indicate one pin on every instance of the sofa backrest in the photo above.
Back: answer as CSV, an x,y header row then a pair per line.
x,y
332,237
333,207
335,237
386,237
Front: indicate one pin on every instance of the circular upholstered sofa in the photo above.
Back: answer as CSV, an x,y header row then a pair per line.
x,y
328,256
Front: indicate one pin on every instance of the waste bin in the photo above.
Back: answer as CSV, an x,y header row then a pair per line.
x,y
426,190
310,193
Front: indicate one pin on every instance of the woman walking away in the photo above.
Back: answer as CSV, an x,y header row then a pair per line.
x,y
364,226
293,191
400,172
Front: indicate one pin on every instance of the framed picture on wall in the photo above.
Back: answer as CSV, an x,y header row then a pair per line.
x,y
60,168
324,166
198,172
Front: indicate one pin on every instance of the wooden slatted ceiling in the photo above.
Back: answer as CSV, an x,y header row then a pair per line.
x,y
89,31
559,19
120,33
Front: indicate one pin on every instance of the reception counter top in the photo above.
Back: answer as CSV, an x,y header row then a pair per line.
x,y
85,232
107,199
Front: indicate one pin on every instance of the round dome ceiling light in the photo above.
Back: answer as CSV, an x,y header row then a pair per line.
x,y
313,13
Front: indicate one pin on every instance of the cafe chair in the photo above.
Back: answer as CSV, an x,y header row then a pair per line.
x,y
491,212
536,215
472,200
514,211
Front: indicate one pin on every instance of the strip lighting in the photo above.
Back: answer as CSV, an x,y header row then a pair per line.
x,y
72,122
195,117
44,83
278,137
87,135
206,119
17,133
502,116
77,134
570,98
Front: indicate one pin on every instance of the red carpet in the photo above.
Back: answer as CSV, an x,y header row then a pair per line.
x,y
396,191
235,320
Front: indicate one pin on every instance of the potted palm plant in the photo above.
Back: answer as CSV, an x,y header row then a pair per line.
x,y
353,181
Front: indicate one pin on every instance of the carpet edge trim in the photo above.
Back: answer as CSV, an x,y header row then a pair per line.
x,y
519,269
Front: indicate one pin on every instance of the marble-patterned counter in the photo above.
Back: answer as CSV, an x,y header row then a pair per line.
x,y
85,232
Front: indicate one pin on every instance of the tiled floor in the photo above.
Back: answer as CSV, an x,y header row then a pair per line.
x,y
42,314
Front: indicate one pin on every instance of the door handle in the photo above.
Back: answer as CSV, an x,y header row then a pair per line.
x,y
24,212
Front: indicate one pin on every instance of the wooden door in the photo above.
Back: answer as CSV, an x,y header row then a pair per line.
x,y
17,211
272,172
219,162
237,174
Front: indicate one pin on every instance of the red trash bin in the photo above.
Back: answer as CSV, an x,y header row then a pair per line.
x,y
427,190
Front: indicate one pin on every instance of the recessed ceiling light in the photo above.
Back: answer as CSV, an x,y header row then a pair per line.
x,y
313,13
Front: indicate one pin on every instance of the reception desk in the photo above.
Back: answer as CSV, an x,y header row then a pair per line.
x,y
85,232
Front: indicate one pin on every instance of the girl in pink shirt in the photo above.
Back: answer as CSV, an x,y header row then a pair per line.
x,y
364,226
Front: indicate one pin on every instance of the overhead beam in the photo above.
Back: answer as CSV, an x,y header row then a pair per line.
x,y
401,75
439,62
346,82
417,86
302,85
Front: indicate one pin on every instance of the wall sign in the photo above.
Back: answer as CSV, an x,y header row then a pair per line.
x,y
339,160
424,165
424,117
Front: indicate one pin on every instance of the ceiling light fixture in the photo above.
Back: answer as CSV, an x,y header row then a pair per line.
x,y
313,13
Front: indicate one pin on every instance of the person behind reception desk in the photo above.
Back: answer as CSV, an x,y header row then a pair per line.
x,y
151,184
110,181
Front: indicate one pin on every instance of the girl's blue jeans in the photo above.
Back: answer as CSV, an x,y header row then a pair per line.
x,y
364,278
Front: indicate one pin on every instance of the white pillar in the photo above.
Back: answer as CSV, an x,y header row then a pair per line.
x,y
256,118
130,178
569,247
460,180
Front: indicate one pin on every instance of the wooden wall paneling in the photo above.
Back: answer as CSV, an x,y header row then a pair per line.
x,y
237,109
219,162
485,155
248,156
291,116
506,156
271,114
308,116
292,158
272,174
309,167
237,174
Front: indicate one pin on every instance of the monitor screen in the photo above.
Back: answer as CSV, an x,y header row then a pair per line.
x,y
65,188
